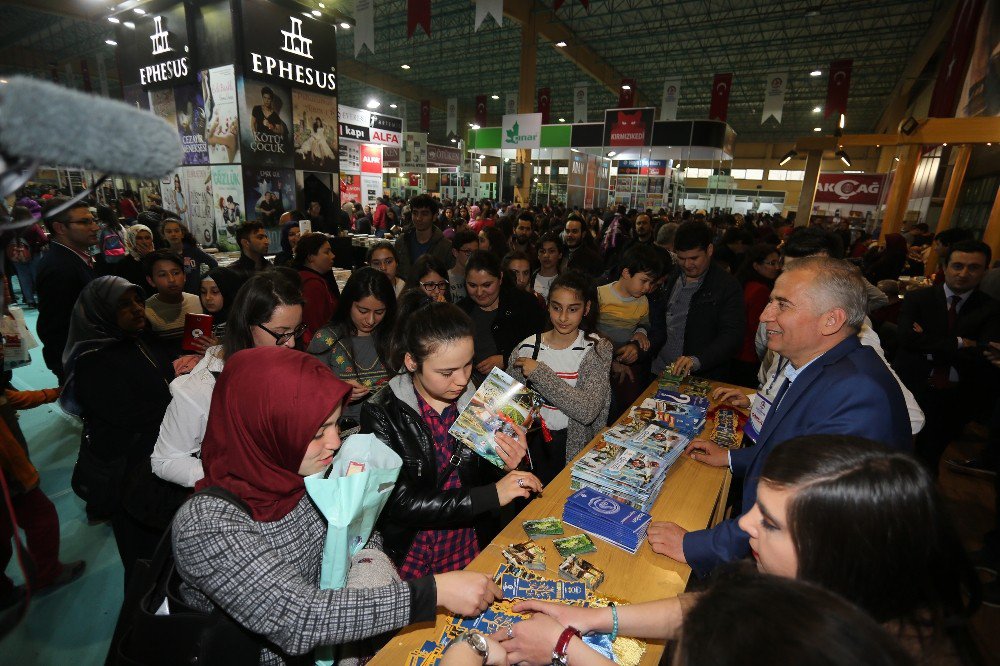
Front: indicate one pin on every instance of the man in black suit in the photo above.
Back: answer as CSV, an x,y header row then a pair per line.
x,y
697,317
942,333
63,272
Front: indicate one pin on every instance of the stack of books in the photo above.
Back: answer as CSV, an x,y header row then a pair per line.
x,y
651,438
607,519
627,475
686,419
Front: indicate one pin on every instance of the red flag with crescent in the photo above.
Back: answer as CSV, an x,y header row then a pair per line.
x,y
544,103
626,98
951,71
481,113
837,87
720,97
418,12
425,115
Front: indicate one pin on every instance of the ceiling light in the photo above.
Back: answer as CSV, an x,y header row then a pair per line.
x,y
110,42
345,25
945,145
138,11
506,159
535,179
316,12
611,153
393,106
112,19
473,125
373,103
843,121
404,66
482,157
895,159
454,140
842,154
494,96
321,5
129,25
5,81
626,87
989,144
307,14
561,44
817,129
817,109
815,72
787,157
562,120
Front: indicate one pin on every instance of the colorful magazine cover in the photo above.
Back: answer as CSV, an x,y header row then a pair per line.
x,y
618,465
499,402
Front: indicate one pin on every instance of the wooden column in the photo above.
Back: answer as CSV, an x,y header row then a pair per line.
x,y
899,191
962,155
526,100
992,234
814,159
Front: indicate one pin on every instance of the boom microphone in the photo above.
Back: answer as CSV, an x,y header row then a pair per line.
x,y
44,123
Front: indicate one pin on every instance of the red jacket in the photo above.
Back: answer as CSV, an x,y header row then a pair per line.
x,y
755,297
378,217
320,304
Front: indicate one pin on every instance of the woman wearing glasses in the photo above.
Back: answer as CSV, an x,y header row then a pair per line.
x,y
430,276
757,275
266,312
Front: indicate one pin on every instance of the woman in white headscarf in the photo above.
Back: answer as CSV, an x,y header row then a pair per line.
x,y
138,243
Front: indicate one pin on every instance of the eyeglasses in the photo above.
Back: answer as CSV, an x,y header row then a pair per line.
x,y
282,338
434,286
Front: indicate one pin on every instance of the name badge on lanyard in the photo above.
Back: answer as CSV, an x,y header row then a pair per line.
x,y
758,412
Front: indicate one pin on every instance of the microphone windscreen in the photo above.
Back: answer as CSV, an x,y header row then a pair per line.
x,y
63,127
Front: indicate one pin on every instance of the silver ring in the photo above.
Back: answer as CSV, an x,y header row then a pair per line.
x,y
510,631
520,483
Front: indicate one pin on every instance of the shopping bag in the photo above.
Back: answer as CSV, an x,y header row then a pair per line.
x,y
17,340
350,496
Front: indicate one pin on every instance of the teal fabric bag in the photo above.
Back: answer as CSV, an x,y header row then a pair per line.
x,y
357,486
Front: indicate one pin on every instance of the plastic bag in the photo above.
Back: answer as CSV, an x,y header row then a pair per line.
x,y
17,340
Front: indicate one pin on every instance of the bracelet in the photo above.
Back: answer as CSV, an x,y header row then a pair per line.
x,y
614,617
562,645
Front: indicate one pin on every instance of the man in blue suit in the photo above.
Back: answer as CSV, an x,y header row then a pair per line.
x,y
830,384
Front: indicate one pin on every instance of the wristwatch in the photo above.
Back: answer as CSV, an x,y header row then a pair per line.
x,y
477,642
562,646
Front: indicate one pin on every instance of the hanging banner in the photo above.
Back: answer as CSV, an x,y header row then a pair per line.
x,y
283,48
425,115
102,74
265,132
368,126
451,126
364,28
628,127
521,130
774,96
371,159
580,103
953,65
862,189
544,104
837,87
671,96
413,156
201,204
418,12
510,103
481,114
626,94
443,156
720,97
492,8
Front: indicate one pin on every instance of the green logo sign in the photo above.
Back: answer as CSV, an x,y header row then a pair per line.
x,y
514,138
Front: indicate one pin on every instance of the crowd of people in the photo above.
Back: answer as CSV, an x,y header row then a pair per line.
x,y
858,391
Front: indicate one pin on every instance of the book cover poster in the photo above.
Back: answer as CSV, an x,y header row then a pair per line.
x,y
222,125
350,188
314,128
161,103
200,203
227,195
269,193
265,124
190,106
173,191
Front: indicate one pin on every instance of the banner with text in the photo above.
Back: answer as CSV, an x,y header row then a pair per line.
x,y
671,97
521,130
413,156
580,103
364,29
628,127
860,189
774,96
451,126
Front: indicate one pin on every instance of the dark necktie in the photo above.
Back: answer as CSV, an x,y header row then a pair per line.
x,y
953,312
941,374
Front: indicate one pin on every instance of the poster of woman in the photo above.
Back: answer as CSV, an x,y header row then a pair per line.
x,y
227,199
222,126
315,131
174,194
200,203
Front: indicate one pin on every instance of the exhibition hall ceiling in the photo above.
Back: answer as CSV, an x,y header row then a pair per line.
x,y
647,40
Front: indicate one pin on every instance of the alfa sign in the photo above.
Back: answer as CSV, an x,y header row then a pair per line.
x,y
521,130
369,127
861,189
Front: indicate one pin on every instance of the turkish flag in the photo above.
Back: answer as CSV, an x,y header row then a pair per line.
x,y
544,103
951,71
837,87
481,112
720,97
418,12
626,98
425,115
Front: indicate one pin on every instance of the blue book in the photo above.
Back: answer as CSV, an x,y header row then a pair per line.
x,y
606,518
697,401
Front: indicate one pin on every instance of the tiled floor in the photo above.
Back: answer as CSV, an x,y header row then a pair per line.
x,y
74,624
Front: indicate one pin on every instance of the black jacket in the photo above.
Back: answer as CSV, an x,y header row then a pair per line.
x,y
417,502
715,322
978,319
518,315
60,278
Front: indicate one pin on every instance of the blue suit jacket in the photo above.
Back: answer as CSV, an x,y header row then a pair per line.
x,y
846,391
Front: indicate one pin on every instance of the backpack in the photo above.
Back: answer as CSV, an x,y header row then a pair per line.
x,y
187,635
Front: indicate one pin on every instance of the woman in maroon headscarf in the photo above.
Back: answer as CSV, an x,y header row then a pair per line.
x,y
263,569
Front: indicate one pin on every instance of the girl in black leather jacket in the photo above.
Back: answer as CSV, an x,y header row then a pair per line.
x,y
444,506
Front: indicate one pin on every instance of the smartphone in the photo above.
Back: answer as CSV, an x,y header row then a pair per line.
x,y
195,326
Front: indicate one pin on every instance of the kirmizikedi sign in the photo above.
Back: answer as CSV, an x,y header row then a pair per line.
x,y
286,47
